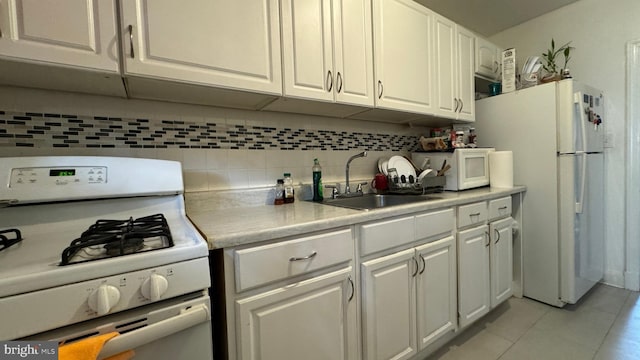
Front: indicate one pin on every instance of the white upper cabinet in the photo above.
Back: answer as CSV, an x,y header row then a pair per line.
x,y
445,65
487,59
327,50
454,52
403,56
73,33
466,85
307,49
353,52
222,43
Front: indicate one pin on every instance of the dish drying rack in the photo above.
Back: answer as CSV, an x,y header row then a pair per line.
x,y
426,185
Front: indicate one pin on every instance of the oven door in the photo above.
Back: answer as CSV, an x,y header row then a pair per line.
x,y
178,328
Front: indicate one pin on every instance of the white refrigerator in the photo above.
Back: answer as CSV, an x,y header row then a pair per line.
x,y
556,136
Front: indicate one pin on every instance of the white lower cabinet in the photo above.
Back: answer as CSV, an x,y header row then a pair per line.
x,y
408,300
415,281
501,254
293,299
312,320
389,306
473,269
436,290
485,258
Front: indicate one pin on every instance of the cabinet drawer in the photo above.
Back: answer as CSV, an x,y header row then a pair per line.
x,y
386,234
472,214
499,208
434,223
263,264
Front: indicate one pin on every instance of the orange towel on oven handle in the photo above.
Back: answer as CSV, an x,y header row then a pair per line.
x,y
89,349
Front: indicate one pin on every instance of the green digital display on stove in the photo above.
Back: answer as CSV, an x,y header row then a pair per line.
x,y
62,172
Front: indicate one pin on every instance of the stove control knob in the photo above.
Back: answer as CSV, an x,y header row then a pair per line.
x,y
103,299
154,286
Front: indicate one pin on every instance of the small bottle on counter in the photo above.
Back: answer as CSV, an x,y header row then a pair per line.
x,y
451,136
473,142
459,139
279,198
288,188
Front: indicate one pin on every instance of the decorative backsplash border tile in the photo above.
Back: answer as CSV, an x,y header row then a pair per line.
x,y
42,130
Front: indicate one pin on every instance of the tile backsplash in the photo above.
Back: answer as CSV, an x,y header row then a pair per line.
x,y
219,148
29,129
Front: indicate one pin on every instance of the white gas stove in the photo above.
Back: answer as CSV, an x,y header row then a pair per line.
x,y
129,247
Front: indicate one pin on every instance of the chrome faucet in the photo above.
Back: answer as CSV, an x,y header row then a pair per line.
x,y
347,190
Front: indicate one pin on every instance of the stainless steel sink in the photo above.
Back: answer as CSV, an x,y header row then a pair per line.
x,y
374,201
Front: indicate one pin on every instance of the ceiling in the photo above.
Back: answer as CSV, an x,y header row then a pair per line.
x,y
489,17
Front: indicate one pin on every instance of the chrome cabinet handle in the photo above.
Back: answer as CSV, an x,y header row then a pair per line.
x,y
474,214
380,89
488,239
131,41
339,81
353,289
416,262
424,264
503,208
329,81
498,234
455,100
497,66
310,256
461,105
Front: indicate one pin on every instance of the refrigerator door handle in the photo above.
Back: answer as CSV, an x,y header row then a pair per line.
x,y
577,100
583,180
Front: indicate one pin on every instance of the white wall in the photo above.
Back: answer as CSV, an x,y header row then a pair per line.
x,y
599,31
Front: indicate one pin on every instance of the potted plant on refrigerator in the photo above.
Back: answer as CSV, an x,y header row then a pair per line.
x,y
553,72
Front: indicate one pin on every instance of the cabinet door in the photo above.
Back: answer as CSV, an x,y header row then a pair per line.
x,y
388,306
436,289
353,52
487,61
473,274
445,67
307,49
78,33
402,33
313,319
501,260
225,43
464,69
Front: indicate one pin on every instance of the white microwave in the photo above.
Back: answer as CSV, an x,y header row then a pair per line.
x,y
469,166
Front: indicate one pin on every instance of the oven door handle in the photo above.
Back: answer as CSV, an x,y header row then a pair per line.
x,y
186,319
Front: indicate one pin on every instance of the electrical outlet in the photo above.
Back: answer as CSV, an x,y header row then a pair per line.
x,y
609,140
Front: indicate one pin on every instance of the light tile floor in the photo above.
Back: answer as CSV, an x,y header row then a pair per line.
x,y
605,324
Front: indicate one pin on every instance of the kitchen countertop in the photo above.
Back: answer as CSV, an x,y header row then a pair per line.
x,y
242,223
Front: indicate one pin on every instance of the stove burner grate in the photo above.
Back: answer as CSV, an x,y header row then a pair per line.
x,y
6,241
111,238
